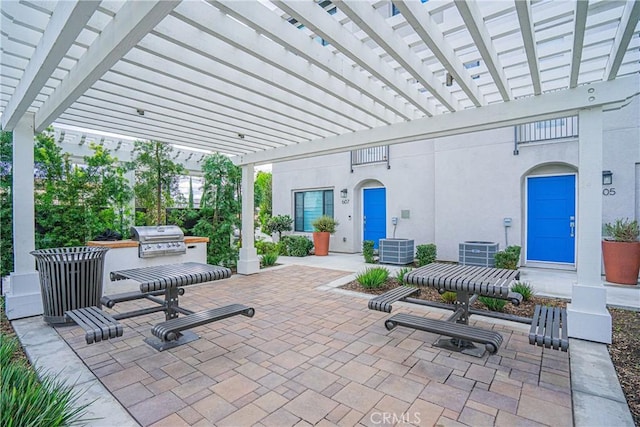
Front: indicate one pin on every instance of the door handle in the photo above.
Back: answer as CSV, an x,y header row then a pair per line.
x,y
572,225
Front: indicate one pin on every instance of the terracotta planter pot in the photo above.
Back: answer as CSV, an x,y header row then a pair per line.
x,y
621,261
321,242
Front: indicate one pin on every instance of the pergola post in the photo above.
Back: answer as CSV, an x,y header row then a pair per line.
x,y
248,262
587,313
24,298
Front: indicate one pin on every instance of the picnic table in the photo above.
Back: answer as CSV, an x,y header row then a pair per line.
x,y
468,282
167,281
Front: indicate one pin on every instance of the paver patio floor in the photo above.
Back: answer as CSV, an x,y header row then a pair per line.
x,y
320,357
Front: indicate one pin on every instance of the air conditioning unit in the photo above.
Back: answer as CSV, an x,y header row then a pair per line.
x,y
395,251
478,253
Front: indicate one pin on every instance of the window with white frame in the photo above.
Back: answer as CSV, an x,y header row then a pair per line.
x,y
309,205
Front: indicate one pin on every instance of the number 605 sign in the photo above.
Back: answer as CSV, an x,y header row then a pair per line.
x,y
608,191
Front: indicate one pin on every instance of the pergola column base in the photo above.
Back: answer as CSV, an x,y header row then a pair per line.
x,y
24,299
249,263
587,314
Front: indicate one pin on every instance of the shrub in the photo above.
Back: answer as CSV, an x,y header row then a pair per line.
x,y
524,289
373,277
400,273
449,297
493,304
325,223
623,230
265,247
278,224
27,400
269,259
367,251
508,258
296,245
425,254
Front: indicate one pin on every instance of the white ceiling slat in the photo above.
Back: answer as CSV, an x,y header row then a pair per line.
x,y
580,23
323,24
268,54
375,26
65,25
475,25
628,23
288,36
523,7
427,29
128,27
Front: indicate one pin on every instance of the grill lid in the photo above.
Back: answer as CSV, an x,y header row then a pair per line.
x,y
157,233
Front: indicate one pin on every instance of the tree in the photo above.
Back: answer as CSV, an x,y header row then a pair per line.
x,y
278,224
157,179
262,196
220,209
6,203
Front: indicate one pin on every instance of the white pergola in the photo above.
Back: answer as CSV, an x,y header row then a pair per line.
x,y
266,81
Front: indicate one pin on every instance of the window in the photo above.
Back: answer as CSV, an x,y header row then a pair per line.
x,y
310,205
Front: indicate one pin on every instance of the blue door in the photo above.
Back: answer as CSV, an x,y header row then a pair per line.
x,y
374,221
551,210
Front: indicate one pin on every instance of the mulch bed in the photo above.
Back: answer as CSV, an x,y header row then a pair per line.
x,y
624,351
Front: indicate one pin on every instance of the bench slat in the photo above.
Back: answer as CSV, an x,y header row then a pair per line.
x,y
168,330
383,302
549,328
491,339
97,324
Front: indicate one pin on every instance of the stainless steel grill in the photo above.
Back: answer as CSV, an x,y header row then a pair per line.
x,y
161,240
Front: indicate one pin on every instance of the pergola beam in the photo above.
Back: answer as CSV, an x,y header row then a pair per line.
x,y
127,28
542,107
628,24
67,20
475,25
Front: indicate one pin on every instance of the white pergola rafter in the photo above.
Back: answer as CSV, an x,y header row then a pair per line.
x,y
628,24
67,20
579,27
324,25
127,28
523,8
475,25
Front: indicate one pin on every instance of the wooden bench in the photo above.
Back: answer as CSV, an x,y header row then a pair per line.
x,y
383,302
491,340
549,328
97,324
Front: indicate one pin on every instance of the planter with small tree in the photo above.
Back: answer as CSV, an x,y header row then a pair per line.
x,y
621,252
324,227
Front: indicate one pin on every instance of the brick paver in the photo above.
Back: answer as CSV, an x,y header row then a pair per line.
x,y
320,357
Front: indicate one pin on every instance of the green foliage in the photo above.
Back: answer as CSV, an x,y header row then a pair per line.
x,y
367,251
425,254
401,272
269,259
157,179
524,289
278,224
508,258
493,304
190,202
623,230
186,219
221,209
6,204
325,223
262,196
27,400
74,204
448,297
373,277
265,247
295,246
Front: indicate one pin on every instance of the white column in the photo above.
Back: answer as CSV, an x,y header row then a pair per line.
x,y
588,317
248,262
24,298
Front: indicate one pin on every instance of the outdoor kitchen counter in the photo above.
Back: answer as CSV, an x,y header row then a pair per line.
x,y
134,244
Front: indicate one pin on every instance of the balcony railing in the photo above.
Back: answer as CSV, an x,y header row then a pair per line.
x,y
365,156
546,130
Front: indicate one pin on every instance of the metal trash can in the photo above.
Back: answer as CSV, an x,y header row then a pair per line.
x,y
70,278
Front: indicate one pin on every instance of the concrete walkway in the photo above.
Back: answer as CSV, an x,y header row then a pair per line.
x,y
314,354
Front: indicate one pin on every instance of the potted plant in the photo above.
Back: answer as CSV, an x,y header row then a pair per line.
x,y
324,226
621,252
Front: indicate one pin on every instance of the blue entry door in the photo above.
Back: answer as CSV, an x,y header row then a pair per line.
x,y
551,213
374,221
